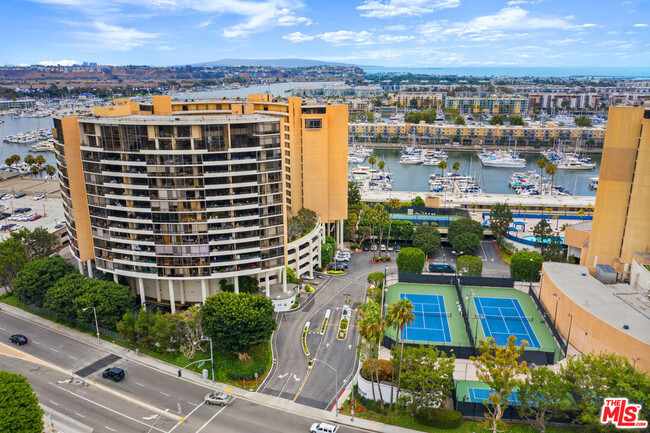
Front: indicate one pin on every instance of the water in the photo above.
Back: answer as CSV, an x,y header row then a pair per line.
x,y
24,124
640,73
276,89
415,178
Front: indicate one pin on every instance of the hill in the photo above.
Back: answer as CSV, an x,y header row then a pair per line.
x,y
286,63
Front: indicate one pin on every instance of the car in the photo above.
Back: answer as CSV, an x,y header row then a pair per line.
x,y
398,247
7,197
323,427
217,397
20,194
18,339
114,373
16,227
444,268
383,248
374,247
3,216
60,225
39,197
391,248
366,248
5,227
2,195
35,217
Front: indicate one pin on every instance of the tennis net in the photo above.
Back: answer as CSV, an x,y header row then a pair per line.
x,y
434,313
507,318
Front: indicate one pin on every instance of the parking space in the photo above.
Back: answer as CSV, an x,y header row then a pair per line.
x,y
26,212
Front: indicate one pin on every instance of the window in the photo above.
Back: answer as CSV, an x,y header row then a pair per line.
x,y
313,123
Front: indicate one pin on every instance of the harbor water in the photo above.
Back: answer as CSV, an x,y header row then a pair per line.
x,y
493,180
13,126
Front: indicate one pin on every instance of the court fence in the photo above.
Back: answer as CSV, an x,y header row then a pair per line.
x,y
547,318
476,410
460,352
450,280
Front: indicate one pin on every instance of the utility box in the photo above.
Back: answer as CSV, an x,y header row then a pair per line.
x,y
205,373
606,274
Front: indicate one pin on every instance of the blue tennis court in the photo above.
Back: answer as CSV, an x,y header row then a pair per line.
x,y
477,395
503,317
430,324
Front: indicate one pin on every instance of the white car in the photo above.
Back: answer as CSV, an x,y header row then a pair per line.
x,y
383,247
39,197
7,197
323,427
16,227
217,397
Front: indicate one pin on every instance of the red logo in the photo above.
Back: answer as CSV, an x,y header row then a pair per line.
x,y
622,414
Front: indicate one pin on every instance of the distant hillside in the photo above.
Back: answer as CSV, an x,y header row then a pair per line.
x,y
286,63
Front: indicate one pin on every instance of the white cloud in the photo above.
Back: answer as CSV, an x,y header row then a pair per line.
x,y
298,37
392,8
347,37
292,20
389,39
59,63
116,38
565,41
397,28
517,2
205,23
640,25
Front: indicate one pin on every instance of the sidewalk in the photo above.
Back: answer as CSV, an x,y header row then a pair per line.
x,y
172,370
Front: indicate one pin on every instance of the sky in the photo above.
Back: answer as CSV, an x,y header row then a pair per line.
x,y
413,33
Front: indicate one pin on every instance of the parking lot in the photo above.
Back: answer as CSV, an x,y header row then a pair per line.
x,y
25,212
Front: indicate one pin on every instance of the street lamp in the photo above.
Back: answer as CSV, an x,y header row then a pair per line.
x,y
569,332
634,360
204,338
336,379
532,265
557,298
96,325
478,318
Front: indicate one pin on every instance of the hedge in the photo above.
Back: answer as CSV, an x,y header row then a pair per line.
x,y
439,418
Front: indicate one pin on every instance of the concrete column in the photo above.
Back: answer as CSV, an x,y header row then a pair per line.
x,y
157,290
311,260
267,281
236,282
181,285
89,264
141,287
284,279
116,278
204,289
341,233
172,301
80,266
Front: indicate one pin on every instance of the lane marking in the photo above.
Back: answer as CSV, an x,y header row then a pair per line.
x,y
105,407
2,328
35,342
192,404
54,350
108,428
139,384
54,403
78,414
210,420
164,393
188,415
285,385
72,357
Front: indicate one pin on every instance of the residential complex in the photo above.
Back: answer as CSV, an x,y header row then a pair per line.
x,y
488,105
418,99
579,101
175,195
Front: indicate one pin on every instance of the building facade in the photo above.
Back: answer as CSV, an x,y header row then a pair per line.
x,y
576,101
488,105
176,196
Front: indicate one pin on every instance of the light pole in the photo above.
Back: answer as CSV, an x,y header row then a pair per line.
x,y
96,324
204,338
478,318
336,381
569,332
532,265
557,298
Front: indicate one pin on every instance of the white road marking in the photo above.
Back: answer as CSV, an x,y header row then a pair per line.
x,y
210,420
150,417
296,378
54,403
78,414
193,404
53,349
285,385
282,376
72,357
163,393
187,416
35,342
139,384
108,428
2,328
105,407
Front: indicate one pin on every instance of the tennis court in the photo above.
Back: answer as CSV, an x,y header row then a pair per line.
x,y
503,317
430,322
478,395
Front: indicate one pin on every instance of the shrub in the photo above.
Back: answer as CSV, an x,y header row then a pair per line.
x,y
330,240
470,266
291,276
308,288
336,272
344,324
439,418
381,259
464,225
225,287
248,284
520,265
374,293
384,366
376,278
410,260
466,243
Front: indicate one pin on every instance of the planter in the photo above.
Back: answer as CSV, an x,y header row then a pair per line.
x,y
336,272
327,318
308,288
310,363
376,260
304,339
344,324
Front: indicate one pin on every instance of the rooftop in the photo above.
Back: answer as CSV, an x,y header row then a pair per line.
x,y
615,304
139,119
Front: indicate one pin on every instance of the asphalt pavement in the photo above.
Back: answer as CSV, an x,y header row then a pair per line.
x,y
493,266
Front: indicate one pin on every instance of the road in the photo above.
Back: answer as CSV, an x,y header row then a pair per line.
x,y
126,406
290,377
492,264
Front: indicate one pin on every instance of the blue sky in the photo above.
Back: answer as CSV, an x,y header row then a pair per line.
x,y
435,33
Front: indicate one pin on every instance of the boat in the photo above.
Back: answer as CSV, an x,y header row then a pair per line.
x,y
431,161
501,159
575,164
454,183
411,159
44,146
593,182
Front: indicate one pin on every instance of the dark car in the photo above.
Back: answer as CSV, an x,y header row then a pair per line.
x,y
398,247
444,268
114,373
3,216
18,339
366,247
20,194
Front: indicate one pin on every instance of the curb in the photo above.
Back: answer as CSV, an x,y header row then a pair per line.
x,y
499,253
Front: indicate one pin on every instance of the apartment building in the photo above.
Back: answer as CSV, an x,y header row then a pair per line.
x,y
574,101
423,100
488,105
177,195
337,91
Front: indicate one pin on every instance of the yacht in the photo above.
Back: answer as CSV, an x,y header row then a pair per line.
x,y
575,164
593,182
411,158
501,159
44,146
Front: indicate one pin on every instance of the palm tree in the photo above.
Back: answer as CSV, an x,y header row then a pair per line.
x,y
368,311
34,170
581,213
50,170
376,325
39,160
455,167
442,165
541,164
589,208
29,159
551,170
381,165
393,204
400,314
564,207
372,160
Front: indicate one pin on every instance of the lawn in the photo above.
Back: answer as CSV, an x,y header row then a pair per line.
x,y
503,253
227,366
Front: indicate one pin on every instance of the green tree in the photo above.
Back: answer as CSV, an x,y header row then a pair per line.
x,y
427,239
50,170
12,260
252,285
145,324
500,220
237,322
393,204
371,330
499,368
515,120
551,170
410,260
162,331
38,276
459,120
38,243
543,395
497,119
594,376
301,224
19,408
582,121
110,299
426,377
376,278
372,161
469,266
523,264
466,243
126,327
60,297
354,195
417,202
327,254
464,225
399,316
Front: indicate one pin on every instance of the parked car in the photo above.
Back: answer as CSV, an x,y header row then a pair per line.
x,y
114,373
5,227
391,248
35,217
39,197
16,227
323,427
374,247
220,398
18,339
3,216
444,268
60,225
366,247
383,248
7,197
20,194
2,195
398,247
